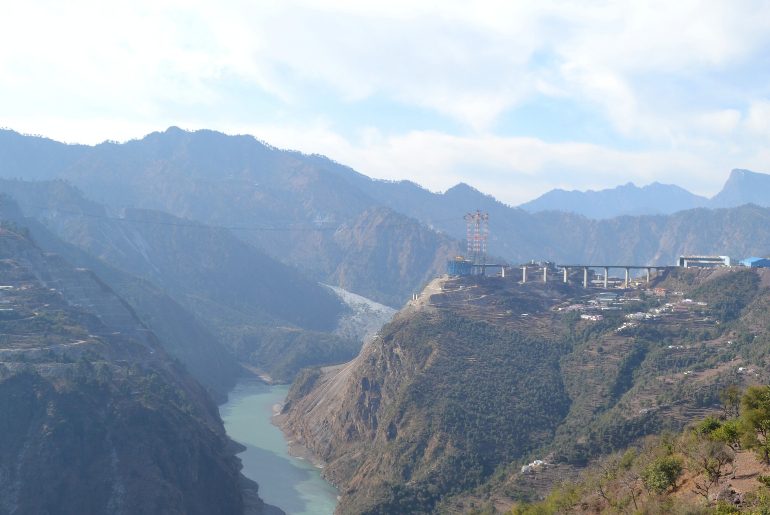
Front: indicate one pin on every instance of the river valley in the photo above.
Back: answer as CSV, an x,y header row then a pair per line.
x,y
293,484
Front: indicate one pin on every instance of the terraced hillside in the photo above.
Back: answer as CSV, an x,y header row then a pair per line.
x,y
96,417
482,375
214,299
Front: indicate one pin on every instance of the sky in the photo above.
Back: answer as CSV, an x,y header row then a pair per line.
x,y
512,97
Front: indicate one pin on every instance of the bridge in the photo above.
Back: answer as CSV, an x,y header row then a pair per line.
x,y
566,268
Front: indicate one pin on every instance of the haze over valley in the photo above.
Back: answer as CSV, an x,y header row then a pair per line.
x,y
384,258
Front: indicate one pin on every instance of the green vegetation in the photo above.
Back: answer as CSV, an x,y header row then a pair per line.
x,y
755,412
729,294
458,398
489,395
283,352
662,474
648,476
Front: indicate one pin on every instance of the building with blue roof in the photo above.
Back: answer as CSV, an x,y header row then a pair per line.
x,y
756,262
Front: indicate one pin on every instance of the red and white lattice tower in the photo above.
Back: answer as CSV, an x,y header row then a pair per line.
x,y
477,226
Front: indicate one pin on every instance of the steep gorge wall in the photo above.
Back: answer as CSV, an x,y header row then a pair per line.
x,y
96,417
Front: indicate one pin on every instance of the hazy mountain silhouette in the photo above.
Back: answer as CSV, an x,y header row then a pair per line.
x,y
744,187
301,210
628,199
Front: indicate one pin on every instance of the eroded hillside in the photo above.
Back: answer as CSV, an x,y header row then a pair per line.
x,y
213,299
96,417
480,376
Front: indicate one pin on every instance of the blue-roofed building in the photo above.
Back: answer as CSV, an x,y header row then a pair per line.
x,y
756,262
459,266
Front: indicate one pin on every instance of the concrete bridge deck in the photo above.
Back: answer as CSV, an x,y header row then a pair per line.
x,y
566,268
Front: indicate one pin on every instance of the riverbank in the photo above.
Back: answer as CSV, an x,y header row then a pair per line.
x,y
287,477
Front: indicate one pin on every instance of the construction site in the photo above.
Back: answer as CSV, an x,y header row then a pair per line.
x,y
671,329
588,275
658,302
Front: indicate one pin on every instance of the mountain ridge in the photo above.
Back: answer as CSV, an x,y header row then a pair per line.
x,y
251,308
290,203
302,202
479,376
741,187
626,199
97,417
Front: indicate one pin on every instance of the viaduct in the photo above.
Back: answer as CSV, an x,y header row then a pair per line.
x,y
566,268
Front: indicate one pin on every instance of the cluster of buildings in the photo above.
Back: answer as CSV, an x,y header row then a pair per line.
x,y
462,266
720,261
591,309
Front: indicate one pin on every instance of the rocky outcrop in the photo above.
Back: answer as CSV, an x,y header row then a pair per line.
x,y
411,417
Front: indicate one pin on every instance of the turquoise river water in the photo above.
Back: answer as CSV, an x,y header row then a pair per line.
x,y
292,484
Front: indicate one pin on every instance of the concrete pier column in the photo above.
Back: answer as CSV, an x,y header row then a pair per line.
x,y
585,277
606,277
502,272
566,274
545,274
648,276
524,274
628,273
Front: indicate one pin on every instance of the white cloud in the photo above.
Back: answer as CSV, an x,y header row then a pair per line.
x,y
758,119
87,71
721,122
514,169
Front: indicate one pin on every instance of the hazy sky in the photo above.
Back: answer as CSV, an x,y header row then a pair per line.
x,y
512,97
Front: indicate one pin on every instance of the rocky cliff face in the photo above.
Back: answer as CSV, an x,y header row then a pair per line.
x,y
386,256
426,407
480,376
96,417
212,299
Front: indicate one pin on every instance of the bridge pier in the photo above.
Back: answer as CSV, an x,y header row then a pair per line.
x,y
650,271
545,274
523,274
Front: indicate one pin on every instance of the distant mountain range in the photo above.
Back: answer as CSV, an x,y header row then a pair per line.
x,y
380,239
227,294
742,187
305,211
216,246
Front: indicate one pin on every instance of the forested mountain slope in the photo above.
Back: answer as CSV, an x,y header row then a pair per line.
x,y
479,376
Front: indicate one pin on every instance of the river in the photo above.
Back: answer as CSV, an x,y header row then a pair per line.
x,y
292,484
